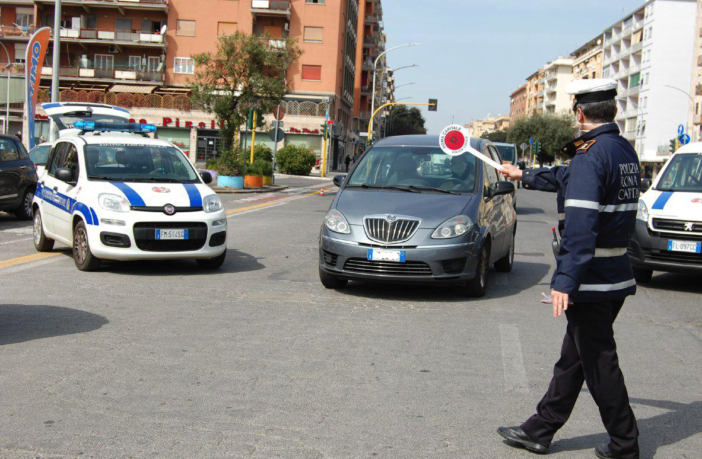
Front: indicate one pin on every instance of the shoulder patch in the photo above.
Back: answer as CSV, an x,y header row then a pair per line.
x,y
586,146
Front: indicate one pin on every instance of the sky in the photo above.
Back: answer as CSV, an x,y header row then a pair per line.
x,y
475,53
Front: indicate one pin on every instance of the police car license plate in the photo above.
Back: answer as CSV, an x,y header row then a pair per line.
x,y
171,234
386,255
685,246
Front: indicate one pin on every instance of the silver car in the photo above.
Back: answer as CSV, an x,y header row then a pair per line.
x,y
408,212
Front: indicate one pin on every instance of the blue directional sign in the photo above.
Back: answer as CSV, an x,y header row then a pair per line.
x,y
681,129
684,139
531,141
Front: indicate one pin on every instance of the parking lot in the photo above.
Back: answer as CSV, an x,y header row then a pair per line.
x,y
162,359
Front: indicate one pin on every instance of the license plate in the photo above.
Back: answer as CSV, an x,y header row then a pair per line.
x,y
171,234
685,246
386,255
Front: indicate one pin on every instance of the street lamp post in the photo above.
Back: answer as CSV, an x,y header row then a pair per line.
x,y
55,65
375,71
690,105
7,96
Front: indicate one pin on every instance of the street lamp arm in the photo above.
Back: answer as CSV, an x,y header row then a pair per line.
x,y
375,64
680,90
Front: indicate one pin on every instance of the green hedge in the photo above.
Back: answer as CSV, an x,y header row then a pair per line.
x,y
296,160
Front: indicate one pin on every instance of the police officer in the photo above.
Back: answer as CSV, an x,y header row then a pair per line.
x,y
597,197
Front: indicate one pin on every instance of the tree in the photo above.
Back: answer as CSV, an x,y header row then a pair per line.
x,y
496,136
552,131
245,72
404,121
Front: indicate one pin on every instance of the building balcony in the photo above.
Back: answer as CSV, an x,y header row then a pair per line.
x,y
114,74
279,8
122,5
540,93
629,135
372,19
626,114
16,33
365,114
371,40
366,90
697,120
113,37
638,25
368,65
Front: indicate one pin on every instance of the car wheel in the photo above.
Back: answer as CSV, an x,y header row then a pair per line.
x,y
82,256
643,275
24,211
213,263
504,264
478,286
41,242
330,281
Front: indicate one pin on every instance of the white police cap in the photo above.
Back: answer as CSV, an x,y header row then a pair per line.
x,y
594,90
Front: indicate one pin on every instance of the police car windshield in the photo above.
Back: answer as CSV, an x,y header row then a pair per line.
x,y
415,168
684,173
508,153
138,163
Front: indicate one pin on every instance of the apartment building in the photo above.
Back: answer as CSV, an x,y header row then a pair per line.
x,y
587,60
556,76
535,93
138,54
695,92
517,103
650,53
477,128
371,44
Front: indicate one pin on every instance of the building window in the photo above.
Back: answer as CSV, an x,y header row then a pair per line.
x,y
315,2
20,53
226,28
24,17
314,34
123,24
312,72
135,62
185,28
184,65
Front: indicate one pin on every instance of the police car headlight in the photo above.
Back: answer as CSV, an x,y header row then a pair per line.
x,y
453,227
113,202
335,221
212,203
642,212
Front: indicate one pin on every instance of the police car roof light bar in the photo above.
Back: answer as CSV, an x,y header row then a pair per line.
x,y
137,128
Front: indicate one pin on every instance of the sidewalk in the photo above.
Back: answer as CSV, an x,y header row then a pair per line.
x,y
265,189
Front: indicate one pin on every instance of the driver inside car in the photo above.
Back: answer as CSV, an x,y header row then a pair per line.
x,y
462,173
404,169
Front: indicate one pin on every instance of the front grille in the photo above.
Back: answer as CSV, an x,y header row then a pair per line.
x,y
145,236
388,268
661,224
379,229
675,257
330,258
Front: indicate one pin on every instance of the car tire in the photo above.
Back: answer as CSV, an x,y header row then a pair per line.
x,y
478,286
41,242
330,281
643,275
505,264
24,211
82,256
213,263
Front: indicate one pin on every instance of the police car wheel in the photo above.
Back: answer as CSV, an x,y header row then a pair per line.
x,y
41,242
478,286
643,275
82,256
330,281
213,263
24,211
504,264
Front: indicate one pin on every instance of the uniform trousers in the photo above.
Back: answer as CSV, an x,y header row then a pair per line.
x,y
588,354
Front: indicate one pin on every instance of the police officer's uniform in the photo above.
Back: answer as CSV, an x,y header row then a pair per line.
x,y
597,197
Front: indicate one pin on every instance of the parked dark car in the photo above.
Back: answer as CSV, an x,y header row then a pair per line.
x,y
18,178
397,218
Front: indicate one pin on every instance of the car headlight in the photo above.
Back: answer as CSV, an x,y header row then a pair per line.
x,y
335,221
453,227
212,203
642,212
113,202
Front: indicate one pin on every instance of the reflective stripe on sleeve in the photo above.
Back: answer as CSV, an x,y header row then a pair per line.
x,y
596,206
607,287
608,253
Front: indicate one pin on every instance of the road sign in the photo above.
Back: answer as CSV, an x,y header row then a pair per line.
x,y
531,141
684,139
276,135
681,129
279,113
433,104
523,146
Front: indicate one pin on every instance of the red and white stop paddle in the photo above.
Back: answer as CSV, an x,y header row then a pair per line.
x,y
455,140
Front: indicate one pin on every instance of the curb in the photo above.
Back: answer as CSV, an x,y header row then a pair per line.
x,y
268,189
309,177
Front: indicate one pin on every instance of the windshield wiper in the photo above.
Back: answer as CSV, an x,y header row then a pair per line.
x,y
104,177
390,187
154,179
431,188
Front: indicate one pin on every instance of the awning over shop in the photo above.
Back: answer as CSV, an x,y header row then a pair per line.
x,y
172,91
133,89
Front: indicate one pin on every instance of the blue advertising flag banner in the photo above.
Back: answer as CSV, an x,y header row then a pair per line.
x,y
36,51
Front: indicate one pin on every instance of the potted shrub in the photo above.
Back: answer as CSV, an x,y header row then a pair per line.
x,y
265,154
229,169
296,160
254,174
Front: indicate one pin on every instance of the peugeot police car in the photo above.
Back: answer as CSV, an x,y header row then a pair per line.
x,y
111,192
668,233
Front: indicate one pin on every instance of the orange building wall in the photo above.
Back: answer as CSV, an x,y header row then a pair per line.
x,y
359,57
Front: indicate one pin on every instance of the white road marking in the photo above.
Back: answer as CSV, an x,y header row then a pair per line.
x,y
24,230
512,360
16,240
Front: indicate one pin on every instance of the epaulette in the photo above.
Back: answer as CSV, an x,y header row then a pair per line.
x,y
585,146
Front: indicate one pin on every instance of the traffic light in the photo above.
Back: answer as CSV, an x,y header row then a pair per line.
x,y
673,145
537,147
433,103
259,118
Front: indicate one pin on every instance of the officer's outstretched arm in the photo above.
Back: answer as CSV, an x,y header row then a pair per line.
x,y
584,195
544,179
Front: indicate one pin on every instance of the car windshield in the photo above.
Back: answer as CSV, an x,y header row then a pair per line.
x,y
40,154
507,152
136,163
684,173
423,169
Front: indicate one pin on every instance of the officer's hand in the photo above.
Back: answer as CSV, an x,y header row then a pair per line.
x,y
511,172
559,301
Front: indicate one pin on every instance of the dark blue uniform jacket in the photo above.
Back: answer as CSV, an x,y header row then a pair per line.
x,y
597,201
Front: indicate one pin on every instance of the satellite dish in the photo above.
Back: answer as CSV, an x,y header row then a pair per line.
x,y
164,29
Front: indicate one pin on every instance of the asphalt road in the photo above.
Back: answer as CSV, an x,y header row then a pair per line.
x,y
163,360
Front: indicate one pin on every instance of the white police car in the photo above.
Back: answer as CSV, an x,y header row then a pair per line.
x,y
668,233
111,192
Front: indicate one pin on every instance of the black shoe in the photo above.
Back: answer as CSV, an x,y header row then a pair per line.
x,y
602,451
516,437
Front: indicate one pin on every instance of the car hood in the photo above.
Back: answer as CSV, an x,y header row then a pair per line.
x,y
432,208
674,204
160,194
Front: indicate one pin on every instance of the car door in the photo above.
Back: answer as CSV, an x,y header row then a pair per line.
x,y
506,212
67,191
496,207
51,207
11,174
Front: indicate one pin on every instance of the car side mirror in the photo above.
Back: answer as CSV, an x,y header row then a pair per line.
x,y
645,184
65,175
502,187
339,180
206,177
